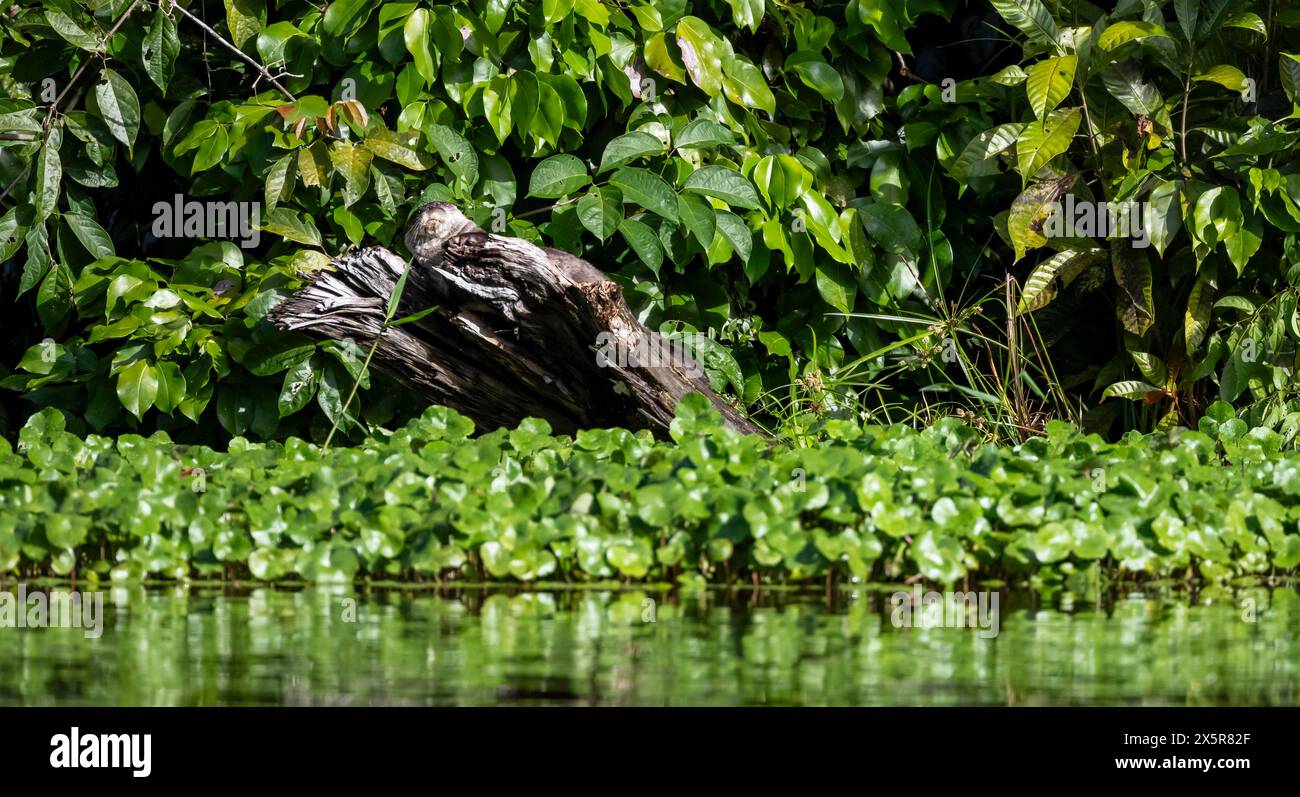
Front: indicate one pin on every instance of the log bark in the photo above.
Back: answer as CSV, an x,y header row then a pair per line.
x,y
520,331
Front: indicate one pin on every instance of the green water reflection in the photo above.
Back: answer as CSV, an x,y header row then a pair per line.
x,y
313,647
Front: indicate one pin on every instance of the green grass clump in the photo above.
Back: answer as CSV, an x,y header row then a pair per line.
x,y
866,503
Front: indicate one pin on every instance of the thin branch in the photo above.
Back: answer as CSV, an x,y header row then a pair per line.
x,y
232,48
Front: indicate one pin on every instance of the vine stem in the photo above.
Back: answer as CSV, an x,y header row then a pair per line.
x,y
232,48
393,301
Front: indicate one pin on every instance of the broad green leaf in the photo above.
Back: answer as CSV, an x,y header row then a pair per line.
x,y
115,102
647,189
1163,214
1049,82
352,162
702,133
781,179
159,49
415,32
722,183
92,236
1200,304
455,151
1061,268
702,52
699,217
821,77
978,158
644,242
137,387
401,148
1132,273
1032,18
836,285
601,212
744,85
171,387
1131,389
1230,77
558,176
1041,141
1123,79
279,182
627,148
74,26
1121,33
1030,211
291,225
47,175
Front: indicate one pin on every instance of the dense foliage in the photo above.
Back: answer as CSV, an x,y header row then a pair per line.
x,y
871,503
836,193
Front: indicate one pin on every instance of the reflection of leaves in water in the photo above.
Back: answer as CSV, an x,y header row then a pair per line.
x,y
564,647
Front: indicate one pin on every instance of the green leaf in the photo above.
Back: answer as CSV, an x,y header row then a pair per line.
x,y
647,189
836,285
601,212
1124,82
1200,304
171,387
279,181
644,242
1133,275
702,53
115,102
70,23
699,218
1230,77
1049,82
1163,214
977,159
821,77
456,152
47,176
353,163
401,148
159,49
782,179
702,133
292,226
723,183
737,234
1030,211
92,236
744,85
415,32
1032,18
1040,142
1131,389
137,387
1040,287
554,11
1120,33
558,176
627,148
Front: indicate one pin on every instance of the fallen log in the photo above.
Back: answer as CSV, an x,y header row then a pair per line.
x,y
520,331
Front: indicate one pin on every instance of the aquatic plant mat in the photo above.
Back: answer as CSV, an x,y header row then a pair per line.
x,y
433,501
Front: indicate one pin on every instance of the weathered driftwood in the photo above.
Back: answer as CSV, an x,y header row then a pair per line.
x,y
520,330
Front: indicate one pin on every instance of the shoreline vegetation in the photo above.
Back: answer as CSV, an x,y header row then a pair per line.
x,y
711,507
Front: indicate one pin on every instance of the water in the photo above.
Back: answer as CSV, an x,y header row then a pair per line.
x,y
178,646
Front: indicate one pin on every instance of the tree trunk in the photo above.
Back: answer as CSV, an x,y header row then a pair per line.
x,y
519,331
